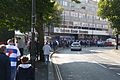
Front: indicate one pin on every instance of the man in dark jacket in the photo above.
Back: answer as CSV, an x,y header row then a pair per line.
x,y
5,71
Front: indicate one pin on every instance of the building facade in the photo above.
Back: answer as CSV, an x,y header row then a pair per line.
x,y
80,21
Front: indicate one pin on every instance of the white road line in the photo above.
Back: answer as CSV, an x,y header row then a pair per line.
x,y
113,68
118,74
100,64
58,72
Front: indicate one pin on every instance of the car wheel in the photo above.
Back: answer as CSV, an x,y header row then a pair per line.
x,y
80,49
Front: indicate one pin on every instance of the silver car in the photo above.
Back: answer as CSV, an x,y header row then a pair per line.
x,y
76,46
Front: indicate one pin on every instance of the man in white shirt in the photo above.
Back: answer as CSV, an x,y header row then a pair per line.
x,y
13,53
46,49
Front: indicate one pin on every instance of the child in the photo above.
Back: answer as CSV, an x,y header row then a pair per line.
x,y
25,71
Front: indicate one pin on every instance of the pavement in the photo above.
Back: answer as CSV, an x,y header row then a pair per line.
x,y
46,71
113,55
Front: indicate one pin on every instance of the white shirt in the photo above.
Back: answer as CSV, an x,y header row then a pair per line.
x,y
15,53
46,49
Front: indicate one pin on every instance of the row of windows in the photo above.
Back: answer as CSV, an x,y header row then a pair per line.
x,y
90,7
79,27
81,15
84,24
65,3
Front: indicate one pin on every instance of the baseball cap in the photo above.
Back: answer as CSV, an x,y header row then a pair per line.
x,y
10,41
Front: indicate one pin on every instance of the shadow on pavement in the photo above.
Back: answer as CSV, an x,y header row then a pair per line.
x,y
41,71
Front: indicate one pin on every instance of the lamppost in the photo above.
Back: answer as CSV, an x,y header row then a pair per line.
x,y
32,52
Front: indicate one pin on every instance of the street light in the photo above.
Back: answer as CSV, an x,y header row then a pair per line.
x,y
32,52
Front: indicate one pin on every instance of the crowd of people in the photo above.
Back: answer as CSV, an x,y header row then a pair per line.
x,y
10,55
14,65
84,42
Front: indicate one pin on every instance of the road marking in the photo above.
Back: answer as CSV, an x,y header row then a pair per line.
x,y
58,72
113,68
96,51
100,64
118,74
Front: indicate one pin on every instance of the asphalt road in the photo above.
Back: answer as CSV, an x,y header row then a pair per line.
x,y
87,64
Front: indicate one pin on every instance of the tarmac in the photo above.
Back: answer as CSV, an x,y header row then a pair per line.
x,y
46,71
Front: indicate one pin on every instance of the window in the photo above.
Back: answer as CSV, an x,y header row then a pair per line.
x,y
66,13
76,14
84,1
84,24
65,3
80,15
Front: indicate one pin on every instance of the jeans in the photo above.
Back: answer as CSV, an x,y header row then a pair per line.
x,y
13,73
46,58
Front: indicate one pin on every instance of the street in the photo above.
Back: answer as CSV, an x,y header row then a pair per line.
x,y
92,63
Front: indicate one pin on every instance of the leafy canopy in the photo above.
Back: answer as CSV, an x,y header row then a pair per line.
x,y
110,10
16,14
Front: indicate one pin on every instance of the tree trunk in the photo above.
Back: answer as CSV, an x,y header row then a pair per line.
x,y
116,41
40,31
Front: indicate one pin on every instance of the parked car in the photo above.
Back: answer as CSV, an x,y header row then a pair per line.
x,y
76,46
110,42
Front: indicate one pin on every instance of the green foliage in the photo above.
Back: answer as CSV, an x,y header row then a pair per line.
x,y
47,11
110,10
16,14
5,34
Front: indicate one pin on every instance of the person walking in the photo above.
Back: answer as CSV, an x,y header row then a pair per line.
x,y
25,70
5,70
46,50
20,45
14,54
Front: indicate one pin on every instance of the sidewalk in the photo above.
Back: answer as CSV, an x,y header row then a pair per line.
x,y
44,71
41,71
115,55
112,55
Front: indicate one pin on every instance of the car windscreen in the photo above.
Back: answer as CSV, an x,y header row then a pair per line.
x,y
75,44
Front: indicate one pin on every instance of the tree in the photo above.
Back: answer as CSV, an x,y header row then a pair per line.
x,y
46,12
5,35
16,15
110,10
